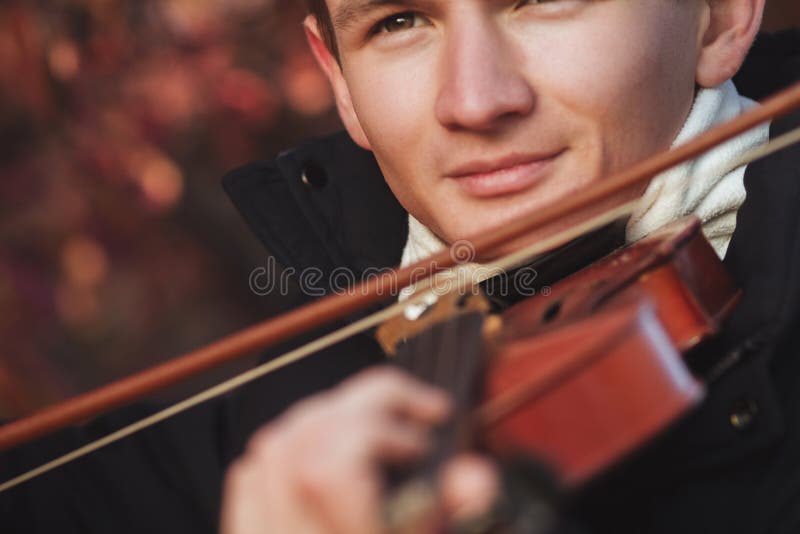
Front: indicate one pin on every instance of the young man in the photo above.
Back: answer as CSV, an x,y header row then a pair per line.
x,y
473,112
477,112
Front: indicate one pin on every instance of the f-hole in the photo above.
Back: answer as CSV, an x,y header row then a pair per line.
x,y
551,312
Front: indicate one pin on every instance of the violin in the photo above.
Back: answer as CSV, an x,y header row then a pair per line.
x,y
619,330
590,370
575,378
579,378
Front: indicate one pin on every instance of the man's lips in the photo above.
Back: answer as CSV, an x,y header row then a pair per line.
x,y
507,175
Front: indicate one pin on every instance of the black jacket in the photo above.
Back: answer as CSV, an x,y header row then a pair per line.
x,y
733,466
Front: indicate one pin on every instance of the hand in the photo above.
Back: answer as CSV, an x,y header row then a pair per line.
x,y
318,468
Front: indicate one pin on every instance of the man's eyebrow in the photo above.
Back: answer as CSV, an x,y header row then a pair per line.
x,y
350,10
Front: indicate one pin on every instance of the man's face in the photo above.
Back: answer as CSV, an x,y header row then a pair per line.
x,y
481,110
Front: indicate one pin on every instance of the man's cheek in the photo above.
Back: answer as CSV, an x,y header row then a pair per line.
x,y
595,83
391,109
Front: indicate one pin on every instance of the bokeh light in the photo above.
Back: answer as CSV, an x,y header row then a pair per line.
x,y
118,248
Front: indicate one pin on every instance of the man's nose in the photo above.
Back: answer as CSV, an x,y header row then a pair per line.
x,y
481,84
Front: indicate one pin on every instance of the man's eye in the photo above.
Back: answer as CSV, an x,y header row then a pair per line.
x,y
552,7
398,22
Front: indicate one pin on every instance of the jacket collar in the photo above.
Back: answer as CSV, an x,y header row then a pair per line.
x,y
763,253
323,205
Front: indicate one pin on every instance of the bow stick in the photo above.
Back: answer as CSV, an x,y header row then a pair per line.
x,y
330,308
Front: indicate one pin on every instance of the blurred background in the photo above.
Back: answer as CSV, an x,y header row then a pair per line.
x,y
118,248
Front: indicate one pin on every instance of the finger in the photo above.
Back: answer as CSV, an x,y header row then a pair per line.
x,y
345,483
394,390
258,499
397,440
469,485
343,491
369,445
357,509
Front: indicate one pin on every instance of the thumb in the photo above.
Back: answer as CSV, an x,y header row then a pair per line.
x,y
469,485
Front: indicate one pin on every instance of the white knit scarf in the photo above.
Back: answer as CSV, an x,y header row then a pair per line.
x,y
708,186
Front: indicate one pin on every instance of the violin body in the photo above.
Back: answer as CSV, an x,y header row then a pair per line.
x,y
581,397
585,375
675,267
590,370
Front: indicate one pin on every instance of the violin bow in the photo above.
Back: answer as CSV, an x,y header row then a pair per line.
x,y
328,309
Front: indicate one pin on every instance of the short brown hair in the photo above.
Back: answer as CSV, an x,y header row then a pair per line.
x,y
319,10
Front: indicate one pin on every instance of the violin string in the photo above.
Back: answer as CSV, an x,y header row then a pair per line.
x,y
442,355
451,370
272,366
526,254
510,261
324,311
450,374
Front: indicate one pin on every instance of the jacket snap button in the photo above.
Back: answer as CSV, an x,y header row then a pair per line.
x,y
313,176
743,414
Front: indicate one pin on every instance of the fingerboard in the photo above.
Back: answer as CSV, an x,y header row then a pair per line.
x,y
449,356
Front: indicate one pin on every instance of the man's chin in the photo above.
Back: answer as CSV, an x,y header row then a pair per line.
x,y
475,222
546,238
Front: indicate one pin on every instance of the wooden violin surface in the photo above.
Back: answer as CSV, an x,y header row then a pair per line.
x,y
585,374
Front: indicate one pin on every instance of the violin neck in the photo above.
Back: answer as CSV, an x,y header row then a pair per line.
x,y
450,356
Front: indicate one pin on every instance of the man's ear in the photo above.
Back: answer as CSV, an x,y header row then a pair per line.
x,y
333,71
732,25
